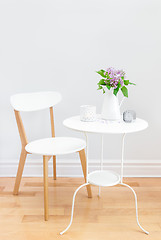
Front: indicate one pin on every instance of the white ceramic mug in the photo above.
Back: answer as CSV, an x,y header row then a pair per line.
x,y
87,113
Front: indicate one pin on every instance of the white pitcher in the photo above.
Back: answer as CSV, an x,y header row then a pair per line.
x,y
111,106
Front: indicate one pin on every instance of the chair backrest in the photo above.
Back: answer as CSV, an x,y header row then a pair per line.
x,y
35,101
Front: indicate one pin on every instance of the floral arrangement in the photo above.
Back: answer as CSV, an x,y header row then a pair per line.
x,y
114,79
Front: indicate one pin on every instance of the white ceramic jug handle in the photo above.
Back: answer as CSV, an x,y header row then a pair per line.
x,y
122,101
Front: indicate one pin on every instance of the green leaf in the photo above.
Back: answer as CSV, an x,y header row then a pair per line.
x,y
115,91
101,72
132,83
103,90
107,76
100,87
124,91
119,85
109,87
126,82
102,82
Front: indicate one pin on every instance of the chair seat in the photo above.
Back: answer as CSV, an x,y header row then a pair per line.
x,y
55,146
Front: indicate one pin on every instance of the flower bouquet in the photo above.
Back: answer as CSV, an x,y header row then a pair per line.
x,y
114,79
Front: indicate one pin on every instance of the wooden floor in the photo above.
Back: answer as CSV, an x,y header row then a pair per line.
x,y
112,216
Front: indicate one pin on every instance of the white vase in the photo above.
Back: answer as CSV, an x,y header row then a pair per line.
x,y
110,107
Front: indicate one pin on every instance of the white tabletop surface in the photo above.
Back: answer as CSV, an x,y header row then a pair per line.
x,y
104,126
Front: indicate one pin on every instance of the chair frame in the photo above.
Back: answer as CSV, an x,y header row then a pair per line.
x,y
23,156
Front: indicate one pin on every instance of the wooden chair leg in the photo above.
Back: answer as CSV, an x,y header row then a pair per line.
x,y
82,156
20,171
45,173
54,167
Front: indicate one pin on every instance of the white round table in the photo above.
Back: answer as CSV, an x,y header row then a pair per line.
x,y
102,177
104,126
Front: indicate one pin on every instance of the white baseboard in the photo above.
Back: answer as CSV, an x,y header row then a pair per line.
x,y
72,168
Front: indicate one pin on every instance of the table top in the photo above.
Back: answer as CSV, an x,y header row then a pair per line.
x,y
105,126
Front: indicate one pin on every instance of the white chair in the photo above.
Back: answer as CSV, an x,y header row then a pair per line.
x,y
47,147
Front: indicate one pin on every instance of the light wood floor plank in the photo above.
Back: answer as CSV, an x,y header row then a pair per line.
x,y
112,216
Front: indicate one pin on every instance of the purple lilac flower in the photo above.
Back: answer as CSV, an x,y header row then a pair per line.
x,y
115,77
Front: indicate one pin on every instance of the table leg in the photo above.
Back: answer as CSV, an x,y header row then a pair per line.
x,y
136,206
101,163
122,157
126,185
83,185
72,212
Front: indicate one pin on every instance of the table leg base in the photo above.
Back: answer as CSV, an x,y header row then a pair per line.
x,y
136,206
72,212
85,184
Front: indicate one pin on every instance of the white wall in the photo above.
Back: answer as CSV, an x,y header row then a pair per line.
x,y
58,45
